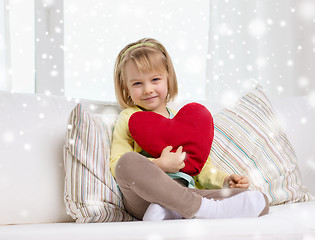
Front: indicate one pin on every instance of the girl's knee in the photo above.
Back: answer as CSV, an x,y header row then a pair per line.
x,y
266,209
126,163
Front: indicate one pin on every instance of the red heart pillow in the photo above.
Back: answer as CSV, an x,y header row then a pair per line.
x,y
192,128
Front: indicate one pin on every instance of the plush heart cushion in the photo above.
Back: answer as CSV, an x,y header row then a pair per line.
x,y
191,128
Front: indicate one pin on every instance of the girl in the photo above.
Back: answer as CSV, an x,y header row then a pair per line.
x,y
154,188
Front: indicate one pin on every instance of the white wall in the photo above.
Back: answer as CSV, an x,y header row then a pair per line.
x,y
266,42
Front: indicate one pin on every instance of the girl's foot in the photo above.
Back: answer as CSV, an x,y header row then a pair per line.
x,y
156,212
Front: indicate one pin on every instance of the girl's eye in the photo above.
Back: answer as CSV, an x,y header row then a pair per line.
x,y
136,83
155,79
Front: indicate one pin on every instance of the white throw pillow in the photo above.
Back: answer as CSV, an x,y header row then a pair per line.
x,y
248,140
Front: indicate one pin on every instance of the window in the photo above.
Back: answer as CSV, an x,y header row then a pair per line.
x,y
73,44
218,47
95,31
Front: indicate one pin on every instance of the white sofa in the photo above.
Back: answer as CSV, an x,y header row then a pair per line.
x,y
32,131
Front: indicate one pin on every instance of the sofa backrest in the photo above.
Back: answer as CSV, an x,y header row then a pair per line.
x,y
32,133
297,117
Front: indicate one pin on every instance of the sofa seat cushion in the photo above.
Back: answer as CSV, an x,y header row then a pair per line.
x,y
289,221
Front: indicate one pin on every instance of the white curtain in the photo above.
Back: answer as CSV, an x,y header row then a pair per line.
x,y
4,61
17,46
268,42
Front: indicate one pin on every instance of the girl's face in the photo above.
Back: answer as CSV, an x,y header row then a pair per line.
x,y
147,89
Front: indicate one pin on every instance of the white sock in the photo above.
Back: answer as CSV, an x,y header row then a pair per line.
x,y
245,204
156,212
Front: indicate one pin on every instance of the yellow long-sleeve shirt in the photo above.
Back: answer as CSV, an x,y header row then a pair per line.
x,y
209,177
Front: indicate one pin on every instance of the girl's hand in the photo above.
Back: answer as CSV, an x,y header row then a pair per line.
x,y
236,181
171,162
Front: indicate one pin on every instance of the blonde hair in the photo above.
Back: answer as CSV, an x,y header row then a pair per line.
x,y
149,55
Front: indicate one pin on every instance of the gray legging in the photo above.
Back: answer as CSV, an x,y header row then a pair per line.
x,y
142,182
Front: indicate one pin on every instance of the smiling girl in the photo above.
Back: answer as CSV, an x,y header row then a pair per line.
x,y
154,188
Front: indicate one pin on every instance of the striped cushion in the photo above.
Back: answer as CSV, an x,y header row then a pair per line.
x,y
91,193
249,141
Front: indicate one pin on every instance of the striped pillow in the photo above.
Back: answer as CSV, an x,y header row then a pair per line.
x,y
249,141
91,193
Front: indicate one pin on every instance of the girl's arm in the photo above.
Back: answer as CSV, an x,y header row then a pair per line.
x,y
210,177
122,141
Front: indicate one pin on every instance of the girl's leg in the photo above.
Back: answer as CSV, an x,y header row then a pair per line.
x,y
142,183
220,203
220,194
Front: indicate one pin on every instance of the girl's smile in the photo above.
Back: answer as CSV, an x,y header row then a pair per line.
x,y
150,98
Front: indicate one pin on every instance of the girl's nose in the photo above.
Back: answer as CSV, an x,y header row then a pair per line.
x,y
148,89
